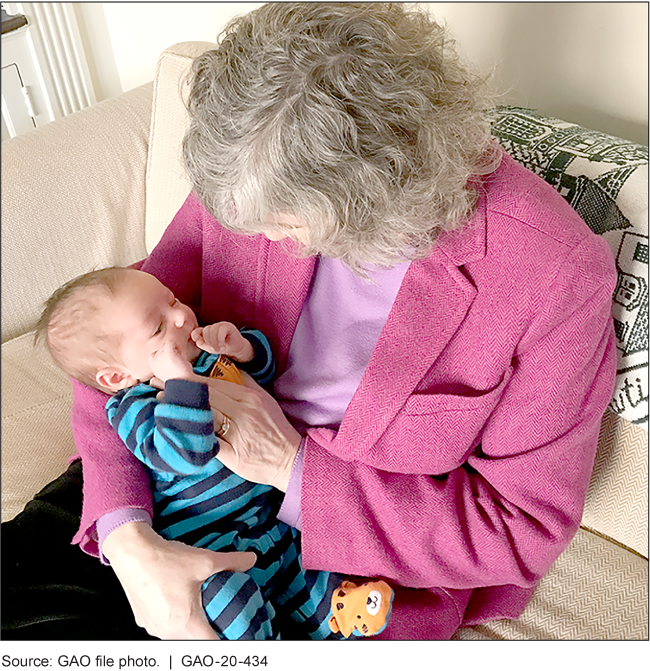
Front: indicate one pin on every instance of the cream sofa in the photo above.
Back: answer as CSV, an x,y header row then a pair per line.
x,y
97,188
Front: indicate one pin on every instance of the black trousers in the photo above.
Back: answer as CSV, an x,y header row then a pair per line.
x,y
51,590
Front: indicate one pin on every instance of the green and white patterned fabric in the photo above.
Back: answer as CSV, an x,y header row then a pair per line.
x,y
605,179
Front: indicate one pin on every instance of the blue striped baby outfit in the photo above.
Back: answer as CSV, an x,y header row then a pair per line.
x,y
198,501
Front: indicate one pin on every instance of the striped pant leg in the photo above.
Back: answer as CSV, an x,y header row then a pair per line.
x,y
310,603
236,608
304,597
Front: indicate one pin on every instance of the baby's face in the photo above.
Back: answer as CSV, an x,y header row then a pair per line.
x,y
148,315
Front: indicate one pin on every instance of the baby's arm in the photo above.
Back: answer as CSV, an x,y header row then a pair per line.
x,y
262,366
223,338
175,435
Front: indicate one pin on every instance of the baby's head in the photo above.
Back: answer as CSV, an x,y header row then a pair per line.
x,y
104,327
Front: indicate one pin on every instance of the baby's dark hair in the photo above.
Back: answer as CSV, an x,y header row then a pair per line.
x,y
69,326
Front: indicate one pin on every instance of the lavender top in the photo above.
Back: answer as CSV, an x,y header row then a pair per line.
x,y
336,334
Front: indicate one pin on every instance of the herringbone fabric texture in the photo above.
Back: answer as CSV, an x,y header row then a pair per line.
x,y
596,590
617,500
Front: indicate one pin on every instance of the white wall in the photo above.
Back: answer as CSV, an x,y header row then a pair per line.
x,y
585,62
124,39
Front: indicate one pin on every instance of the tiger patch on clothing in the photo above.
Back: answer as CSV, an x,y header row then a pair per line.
x,y
363,610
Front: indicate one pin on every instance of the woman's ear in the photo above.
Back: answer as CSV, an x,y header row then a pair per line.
x,y
113,379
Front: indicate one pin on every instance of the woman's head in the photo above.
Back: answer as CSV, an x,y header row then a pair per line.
x,y
357,119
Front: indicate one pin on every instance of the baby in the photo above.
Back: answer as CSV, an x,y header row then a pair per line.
x,y
116,329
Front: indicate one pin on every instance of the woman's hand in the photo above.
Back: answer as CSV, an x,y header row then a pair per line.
x,y
162,579
257,442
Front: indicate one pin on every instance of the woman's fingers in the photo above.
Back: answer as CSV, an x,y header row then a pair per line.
x,y
220,389
257,442
162,579
249,381
234,402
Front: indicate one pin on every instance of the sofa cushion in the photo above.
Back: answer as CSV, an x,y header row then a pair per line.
x,y
36,434
596,590
617,499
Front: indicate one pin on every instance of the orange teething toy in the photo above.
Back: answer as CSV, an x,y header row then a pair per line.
x,y
225,369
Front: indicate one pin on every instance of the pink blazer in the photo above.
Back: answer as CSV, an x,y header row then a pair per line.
x,y
464,457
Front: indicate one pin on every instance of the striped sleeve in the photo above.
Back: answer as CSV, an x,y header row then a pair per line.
x,y
175,435
262,366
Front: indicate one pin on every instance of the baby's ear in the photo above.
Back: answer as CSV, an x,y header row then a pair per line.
x,y
113,379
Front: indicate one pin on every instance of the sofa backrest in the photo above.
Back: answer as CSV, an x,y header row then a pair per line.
x,y
167,185
605,180
72,200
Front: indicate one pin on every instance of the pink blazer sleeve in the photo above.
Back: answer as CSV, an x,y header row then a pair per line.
x,y
177,262
105,461
514,504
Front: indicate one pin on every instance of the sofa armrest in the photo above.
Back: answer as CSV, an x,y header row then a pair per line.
x,y
73,199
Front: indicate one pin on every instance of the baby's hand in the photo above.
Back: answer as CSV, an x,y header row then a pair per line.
x,y
223,338
168,363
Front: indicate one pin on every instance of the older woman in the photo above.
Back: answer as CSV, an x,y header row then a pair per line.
x,y
440,317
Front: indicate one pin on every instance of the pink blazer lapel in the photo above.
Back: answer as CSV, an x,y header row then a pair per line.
x,y
430,306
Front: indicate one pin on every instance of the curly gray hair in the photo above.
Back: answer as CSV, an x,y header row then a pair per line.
x,y
357,118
